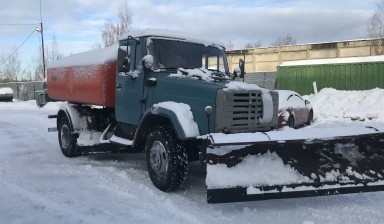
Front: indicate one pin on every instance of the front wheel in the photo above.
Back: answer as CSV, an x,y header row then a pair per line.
x,y
67,139
166,157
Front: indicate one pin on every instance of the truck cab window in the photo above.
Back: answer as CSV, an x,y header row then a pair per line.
x,y
213,63
180,54
124,59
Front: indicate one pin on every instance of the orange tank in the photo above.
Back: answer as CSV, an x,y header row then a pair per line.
x,y
87,78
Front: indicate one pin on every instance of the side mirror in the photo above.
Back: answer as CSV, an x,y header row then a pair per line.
x,y
147,61
306,102
241,66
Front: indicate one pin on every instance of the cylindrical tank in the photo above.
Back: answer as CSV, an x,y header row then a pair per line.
x,y
87,78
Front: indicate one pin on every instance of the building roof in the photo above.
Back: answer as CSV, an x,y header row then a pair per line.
x,y
348,60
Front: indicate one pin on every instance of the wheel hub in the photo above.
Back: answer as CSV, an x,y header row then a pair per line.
x,y
65,137
158,158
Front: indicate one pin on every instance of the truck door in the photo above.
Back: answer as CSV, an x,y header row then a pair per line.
x,y
129,84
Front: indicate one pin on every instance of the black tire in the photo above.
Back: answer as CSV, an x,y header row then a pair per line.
x,y
291,121
310,117
167,160
67,139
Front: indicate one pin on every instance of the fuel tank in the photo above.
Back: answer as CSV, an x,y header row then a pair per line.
x,y
87,78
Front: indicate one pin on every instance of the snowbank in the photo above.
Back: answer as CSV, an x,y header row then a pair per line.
x,y
338,105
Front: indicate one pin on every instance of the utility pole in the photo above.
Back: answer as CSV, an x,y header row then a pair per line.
x,y
42,41
42,48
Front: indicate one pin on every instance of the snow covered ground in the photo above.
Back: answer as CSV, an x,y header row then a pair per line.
x,y
39,185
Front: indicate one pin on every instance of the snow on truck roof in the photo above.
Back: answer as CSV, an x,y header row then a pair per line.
x,y
104,55
348,60
169,34
94,57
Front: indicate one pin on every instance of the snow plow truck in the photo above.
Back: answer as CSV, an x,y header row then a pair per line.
x,y
170,95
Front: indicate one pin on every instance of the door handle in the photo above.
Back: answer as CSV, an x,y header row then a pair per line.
x,y
119,86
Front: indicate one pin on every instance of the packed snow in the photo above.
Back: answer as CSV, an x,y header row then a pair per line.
x,y
196,73
184,115
39,185
270,169
159,33
94,57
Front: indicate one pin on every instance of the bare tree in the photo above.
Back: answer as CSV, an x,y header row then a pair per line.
x,y
111,33
255,44
376,28
10,69
229,46
52,54
285,40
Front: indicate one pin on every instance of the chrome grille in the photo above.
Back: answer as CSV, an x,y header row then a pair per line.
x,y
240,112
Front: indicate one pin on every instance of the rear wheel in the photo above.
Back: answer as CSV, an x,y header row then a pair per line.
x,y
166,157
67,139
291,121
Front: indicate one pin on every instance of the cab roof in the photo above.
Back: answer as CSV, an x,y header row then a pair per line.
x,y
169,34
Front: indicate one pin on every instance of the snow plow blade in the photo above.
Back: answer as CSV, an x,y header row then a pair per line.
x,y
272,169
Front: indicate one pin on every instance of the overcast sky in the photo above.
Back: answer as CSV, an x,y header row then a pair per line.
x,y
77,23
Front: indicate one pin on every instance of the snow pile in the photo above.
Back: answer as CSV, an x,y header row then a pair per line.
x,y
265,169
196,73
6,90
338,105
88,138
184,115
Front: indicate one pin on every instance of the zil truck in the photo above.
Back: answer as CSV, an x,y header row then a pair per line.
x,y
170,95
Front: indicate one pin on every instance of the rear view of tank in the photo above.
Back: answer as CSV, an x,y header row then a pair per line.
x,y
86,78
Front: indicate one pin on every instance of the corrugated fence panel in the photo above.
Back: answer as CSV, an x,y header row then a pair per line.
x,y
262,79
354,76
24,90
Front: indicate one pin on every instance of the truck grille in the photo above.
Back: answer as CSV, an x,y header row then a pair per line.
x,y
241,112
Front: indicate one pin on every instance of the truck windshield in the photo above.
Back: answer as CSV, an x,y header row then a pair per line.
x,y
180,54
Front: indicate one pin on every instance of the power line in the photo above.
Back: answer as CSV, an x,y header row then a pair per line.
x,y
17,24
19,46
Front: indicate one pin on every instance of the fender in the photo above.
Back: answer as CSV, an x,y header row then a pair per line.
x,y
181,131
71,112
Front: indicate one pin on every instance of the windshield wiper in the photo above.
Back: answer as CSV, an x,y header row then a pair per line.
x,y
217,74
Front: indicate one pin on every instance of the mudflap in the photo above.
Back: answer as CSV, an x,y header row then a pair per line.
x,y
248,171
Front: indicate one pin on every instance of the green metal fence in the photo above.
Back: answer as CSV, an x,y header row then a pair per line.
x,y
351,76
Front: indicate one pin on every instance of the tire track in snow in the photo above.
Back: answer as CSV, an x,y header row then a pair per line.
x,y
133,181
